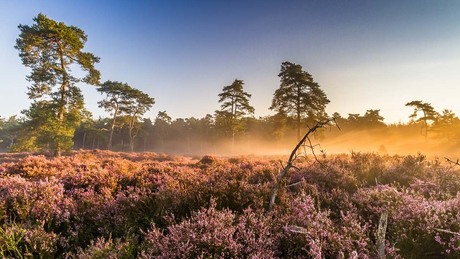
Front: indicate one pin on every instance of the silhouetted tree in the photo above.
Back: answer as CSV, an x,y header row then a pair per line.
x,y
161,127
447,125
372,118
50,49
299,96
429,114
235,105
145,134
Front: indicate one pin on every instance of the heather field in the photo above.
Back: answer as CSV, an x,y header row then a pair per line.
x,y
100,204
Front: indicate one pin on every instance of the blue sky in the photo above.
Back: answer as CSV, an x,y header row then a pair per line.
x,y
364,54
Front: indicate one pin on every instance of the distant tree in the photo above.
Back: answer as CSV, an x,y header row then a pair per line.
x,y
116,98
428,114
38,129
373,118
51,49
205,131
136,103
162,126
339,120
279,123
354,119
299,96
85,130
145,133
235,105
10,130
447,125
98,133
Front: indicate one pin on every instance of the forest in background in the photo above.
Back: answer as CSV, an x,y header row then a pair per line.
x,y
57,120
260,136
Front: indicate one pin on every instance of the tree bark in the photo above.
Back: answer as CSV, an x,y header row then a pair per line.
x,y
62,102
381,235
112,128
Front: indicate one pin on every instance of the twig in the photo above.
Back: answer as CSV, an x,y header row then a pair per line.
x,y
454,163
447,231
297,229
313,151
294,184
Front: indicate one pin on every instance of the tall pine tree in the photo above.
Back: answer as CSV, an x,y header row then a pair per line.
x,y
299,96
50,49
235,105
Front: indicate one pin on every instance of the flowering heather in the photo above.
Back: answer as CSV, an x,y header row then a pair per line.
x,y
100,204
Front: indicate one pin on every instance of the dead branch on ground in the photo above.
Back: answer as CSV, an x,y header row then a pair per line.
x,y
294,155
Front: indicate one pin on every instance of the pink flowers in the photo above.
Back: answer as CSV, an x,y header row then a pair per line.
x,y
150,205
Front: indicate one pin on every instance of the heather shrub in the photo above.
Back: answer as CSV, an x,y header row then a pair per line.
x,y
30,202
254,233
102,204
406,171
208,233
307,232
368,168
106,249
330,176
18,242
413,219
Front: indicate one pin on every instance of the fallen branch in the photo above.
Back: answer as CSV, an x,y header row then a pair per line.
x,y
294,184
297,229
294,156
447,231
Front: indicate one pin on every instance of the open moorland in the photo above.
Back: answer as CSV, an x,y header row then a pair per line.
x,y
101,204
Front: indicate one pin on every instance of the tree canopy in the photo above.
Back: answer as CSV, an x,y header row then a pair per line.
x,y
299,96
116,99
50,48
235,105
428,114
124,100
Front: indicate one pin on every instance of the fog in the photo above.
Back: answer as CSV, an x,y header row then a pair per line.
x,y
385,141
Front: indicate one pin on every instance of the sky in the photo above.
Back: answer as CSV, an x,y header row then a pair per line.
x,y
363,54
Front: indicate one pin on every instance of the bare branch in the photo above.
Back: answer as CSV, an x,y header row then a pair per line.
x,y
312,148
297,229
294,184
294,155
453,163
447,231
281,163
295,167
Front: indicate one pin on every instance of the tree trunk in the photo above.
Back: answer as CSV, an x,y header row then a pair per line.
x,y
84,140
112,128
130,133
233,141
298,113
131,140
62,102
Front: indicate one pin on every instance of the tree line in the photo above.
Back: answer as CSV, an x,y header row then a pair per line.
x,y
57,121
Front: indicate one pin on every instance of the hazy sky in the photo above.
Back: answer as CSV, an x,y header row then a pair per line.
x,y
364,54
